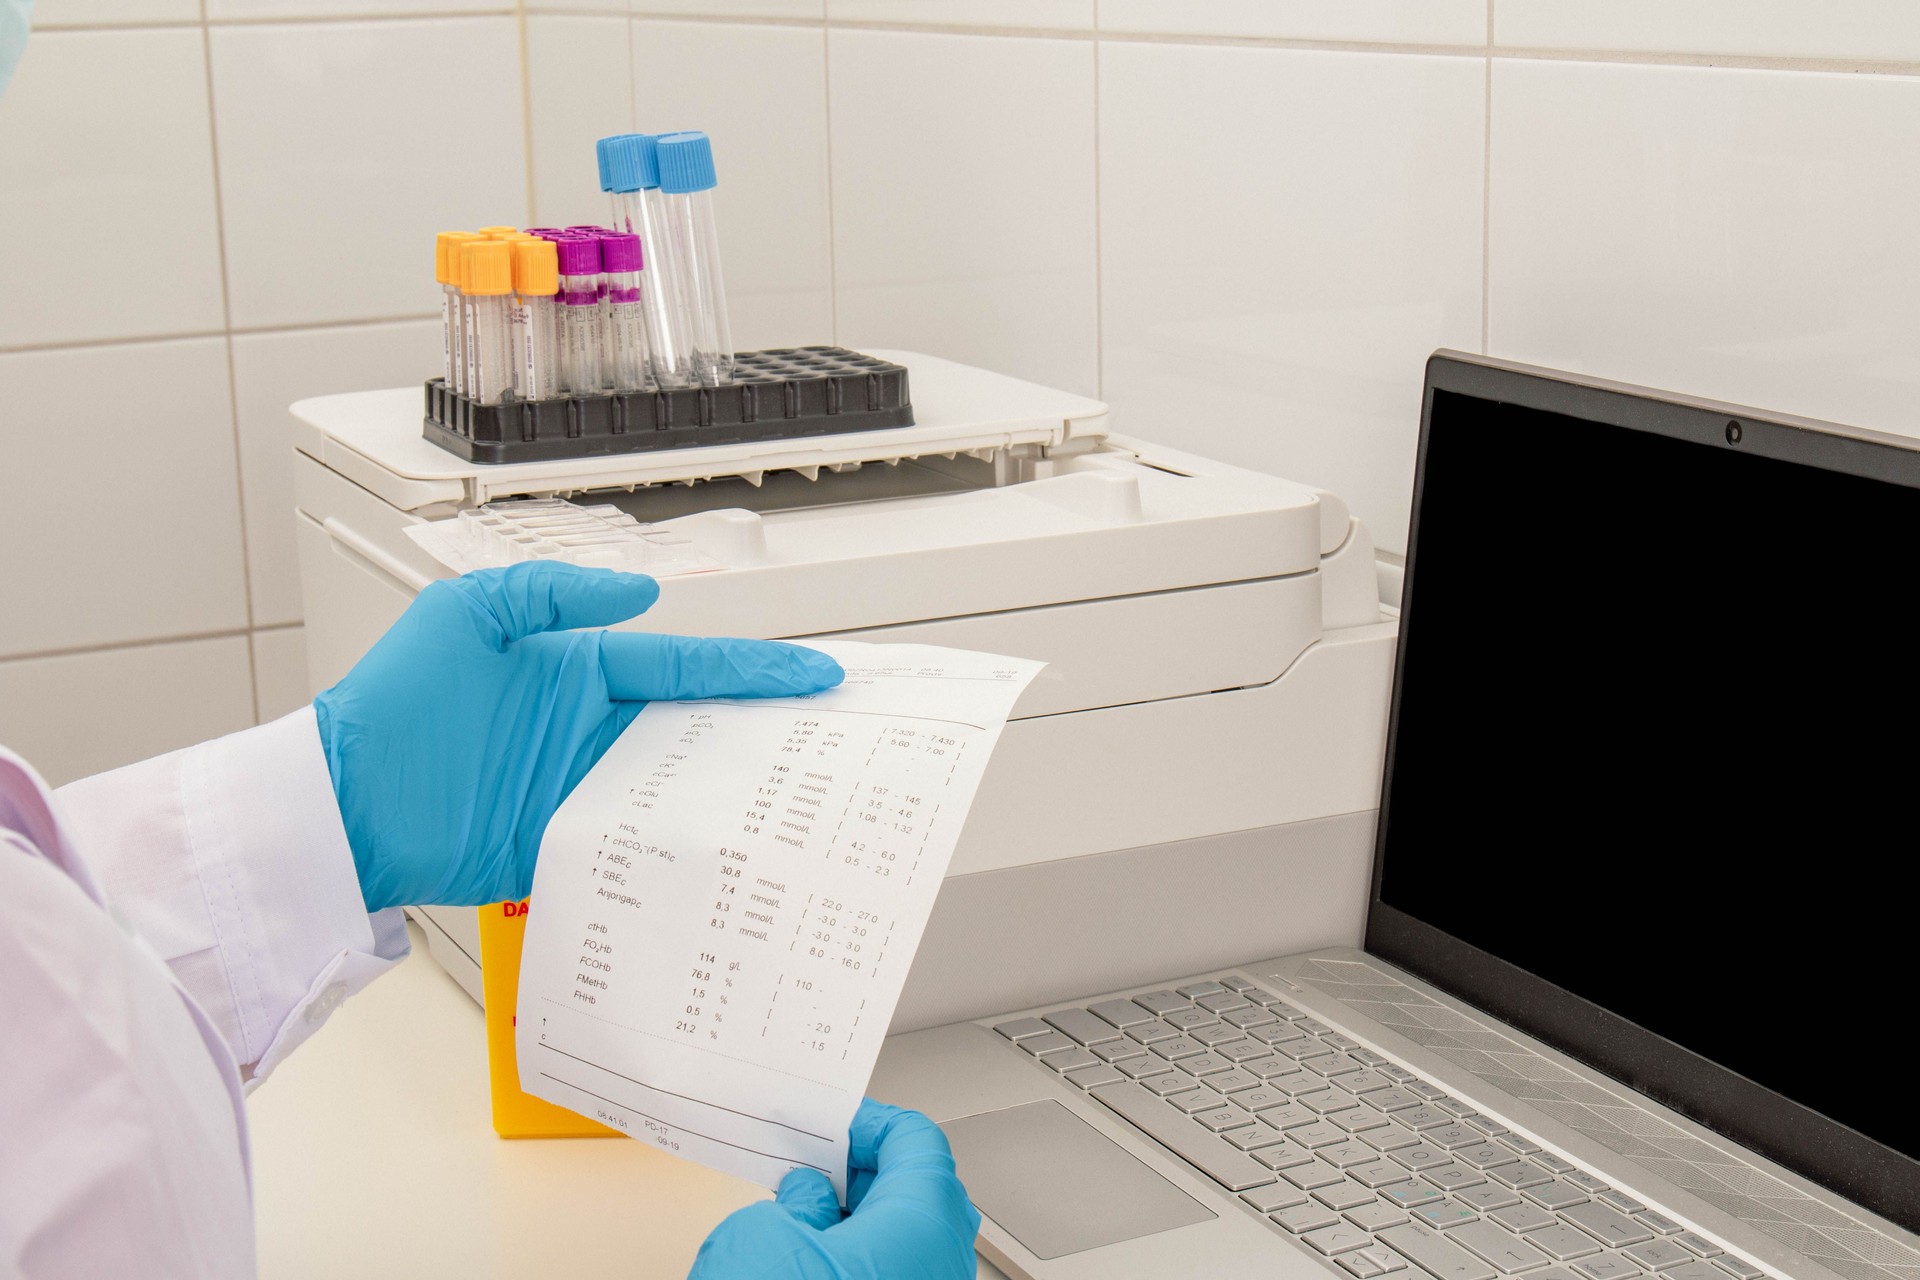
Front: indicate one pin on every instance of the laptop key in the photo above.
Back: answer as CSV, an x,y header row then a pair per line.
x,y
1187,1019
1358,1120
1141,1068
1121,1013
1431,1092
1558,1194
1071,1060
1220,1119
1302,1049
1115,1050
1621,1201
1276,1033
1317,1134
1251,1016
1509,1254
1562,1242
1271,1068
1241,1050
1377,1216
1231,1081
1333,1064
1434,1253
1420,1156
1326,1101
1261,1098
1553,1163
1048,1042
1337,1239
1193,989
1486,1198
1394,1099
1485,1124
1345,1155
1253,1137
1234,1170
1691,1239
1520,1175
1287,1115
1450,1136
1445,1214
1021,1028
1222,1001
1081,1025
1380,1173
1453,1177
1518,1215
1194,1101
1087,1077
1338,1041
1161,1002
1177,1048
1391,1138
1656,1255
1166,1085
1267,999
1739,1268
1282,1157
1363,1081
1423,1118
1306,1217
1457,1109
1581,1178
1204,1065
1410,1195
1698,1269
1220,1033
1485,1155
1376,1260
1606,1266
1615,1230
1234,982
1343,1196
1664,1225
1312,1175
1274,1198
1151,1033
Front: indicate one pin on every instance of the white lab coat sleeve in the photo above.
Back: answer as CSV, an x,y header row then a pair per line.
x,y
230,860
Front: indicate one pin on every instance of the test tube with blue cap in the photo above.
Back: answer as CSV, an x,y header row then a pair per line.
x,y
631,176
684,163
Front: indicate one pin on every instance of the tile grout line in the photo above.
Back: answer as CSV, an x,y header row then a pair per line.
x,y
833,228
233,388
1099,259
1486,197
152,642
526,109
191,335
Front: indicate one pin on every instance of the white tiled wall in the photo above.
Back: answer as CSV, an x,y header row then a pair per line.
x,y
1243,222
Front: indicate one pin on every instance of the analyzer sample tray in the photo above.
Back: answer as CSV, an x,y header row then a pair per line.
x,y
786,394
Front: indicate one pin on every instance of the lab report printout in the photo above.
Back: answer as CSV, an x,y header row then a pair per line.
x,y
725,909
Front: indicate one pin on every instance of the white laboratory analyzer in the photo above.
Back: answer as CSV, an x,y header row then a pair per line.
x,y
1219,660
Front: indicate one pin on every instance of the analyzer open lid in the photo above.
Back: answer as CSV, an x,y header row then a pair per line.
x,y
374,438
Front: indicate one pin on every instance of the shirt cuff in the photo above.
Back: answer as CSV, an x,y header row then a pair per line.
x,y
231,861
269,828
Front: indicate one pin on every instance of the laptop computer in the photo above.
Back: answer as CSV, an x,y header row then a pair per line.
x,y
1635,970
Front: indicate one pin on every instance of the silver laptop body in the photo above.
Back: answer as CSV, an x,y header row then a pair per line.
x,y
1632,996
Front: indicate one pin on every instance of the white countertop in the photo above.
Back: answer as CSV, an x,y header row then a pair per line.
x,y
374,1155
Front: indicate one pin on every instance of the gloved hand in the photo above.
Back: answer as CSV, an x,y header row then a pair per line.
x,y
459,733
908,1217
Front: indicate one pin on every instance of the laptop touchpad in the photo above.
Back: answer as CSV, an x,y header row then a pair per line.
x,y
1058,1185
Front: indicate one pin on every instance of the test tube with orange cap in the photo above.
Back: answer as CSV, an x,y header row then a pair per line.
x,y
446,270
488,288
534,324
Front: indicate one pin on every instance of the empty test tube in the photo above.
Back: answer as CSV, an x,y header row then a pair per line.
x,y
579,263
634,177
446,265
535,326
685,164
625,348
489,284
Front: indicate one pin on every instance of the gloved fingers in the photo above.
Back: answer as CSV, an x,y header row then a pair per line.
x,y
809,1196
906,1152
546,595
643,667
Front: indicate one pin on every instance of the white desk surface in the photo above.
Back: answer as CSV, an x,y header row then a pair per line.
x,y
374,1156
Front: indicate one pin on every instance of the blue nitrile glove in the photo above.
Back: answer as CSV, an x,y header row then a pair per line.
x,y
459,733
908,1214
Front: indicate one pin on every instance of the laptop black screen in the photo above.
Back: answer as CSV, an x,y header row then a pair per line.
x,y
1651,766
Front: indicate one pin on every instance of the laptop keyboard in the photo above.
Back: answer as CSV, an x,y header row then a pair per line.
x,y
1361,1160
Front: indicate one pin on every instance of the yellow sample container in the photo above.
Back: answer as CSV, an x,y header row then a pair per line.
x,y
516,1114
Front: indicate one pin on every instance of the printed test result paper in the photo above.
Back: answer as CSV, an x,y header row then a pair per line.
x,y
725,908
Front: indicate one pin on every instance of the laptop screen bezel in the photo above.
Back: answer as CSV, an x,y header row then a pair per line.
x,y
1835,1156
